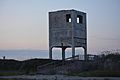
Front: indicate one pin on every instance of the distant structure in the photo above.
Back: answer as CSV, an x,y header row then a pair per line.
x,y
3,57
67,29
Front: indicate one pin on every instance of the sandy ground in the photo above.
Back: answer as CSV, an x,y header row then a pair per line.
x,y
58,77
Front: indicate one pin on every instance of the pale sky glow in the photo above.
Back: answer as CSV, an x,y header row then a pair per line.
x,y
24,23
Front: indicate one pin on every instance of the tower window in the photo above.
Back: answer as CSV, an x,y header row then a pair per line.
x,y
79,19
68,18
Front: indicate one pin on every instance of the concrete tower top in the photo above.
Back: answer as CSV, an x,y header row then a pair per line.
x,y
66,11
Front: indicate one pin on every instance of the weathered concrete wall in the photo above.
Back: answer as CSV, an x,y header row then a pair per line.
x,y
67,28
61,31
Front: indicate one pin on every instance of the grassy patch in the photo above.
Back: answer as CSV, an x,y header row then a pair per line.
x,y
8,79
97,73
9,73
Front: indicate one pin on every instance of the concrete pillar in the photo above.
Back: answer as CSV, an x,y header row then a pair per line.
x,y
50,53
73,51
73,31
63,53
85,54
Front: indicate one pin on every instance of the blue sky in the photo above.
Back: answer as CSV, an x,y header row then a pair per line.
x,y
24,23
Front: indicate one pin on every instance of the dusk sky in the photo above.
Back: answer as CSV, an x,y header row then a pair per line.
x,y
24,23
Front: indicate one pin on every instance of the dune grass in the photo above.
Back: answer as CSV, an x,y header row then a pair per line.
x,y
10,73
97,73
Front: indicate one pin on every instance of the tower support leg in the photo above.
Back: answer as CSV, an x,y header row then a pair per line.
x,y
73,51
50,53
63,53
85,54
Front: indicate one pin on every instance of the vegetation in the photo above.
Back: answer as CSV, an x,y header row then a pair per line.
x,y
8,79
14,67
106,65
96,73
113,57
8,73
15,79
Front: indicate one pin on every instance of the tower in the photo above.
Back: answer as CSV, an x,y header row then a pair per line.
x,y
67,28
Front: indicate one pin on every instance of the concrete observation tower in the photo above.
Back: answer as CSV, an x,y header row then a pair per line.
x,y
67,29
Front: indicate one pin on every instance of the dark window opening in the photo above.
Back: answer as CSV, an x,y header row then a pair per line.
x,y
68,18
79,19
